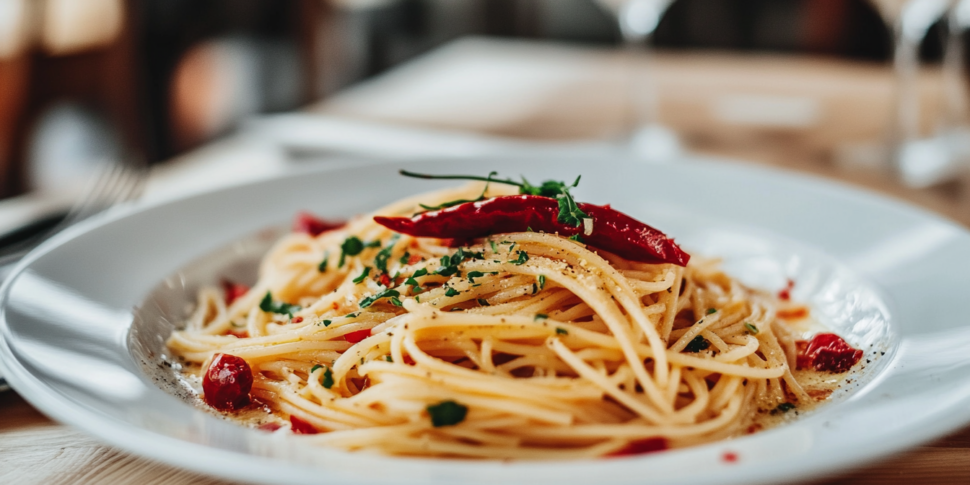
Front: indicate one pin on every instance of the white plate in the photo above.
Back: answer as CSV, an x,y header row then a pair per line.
x,y
892,278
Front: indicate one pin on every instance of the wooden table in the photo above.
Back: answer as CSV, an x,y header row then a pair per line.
x,y
547,92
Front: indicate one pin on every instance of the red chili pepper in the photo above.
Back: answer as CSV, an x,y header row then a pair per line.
x,y
613,231
357,336
642,447
300,426
313,225
227,383
233,291
827,352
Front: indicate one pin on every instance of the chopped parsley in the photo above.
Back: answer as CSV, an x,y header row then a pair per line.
x,y
748,327
494,246
474,274
783,408
452,292
404,259
540,316
396,302
322,267
388,293
270,306
326,323
362,275
698,344
419,273
542,281
380,261
314,368
562,331
575,237
388,358
327,378
483,302
523,257
711,311
446,413
352,246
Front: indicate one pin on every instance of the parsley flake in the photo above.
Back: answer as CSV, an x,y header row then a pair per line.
x,y
711,311
404,259
363,275
748,327
540,316
322,267
327,378
698,344
562,331
446,413
542,281
783,408
474,274
396,302
380,261
388,293
483,302
523,257
314,368
268,305
352,246
452,292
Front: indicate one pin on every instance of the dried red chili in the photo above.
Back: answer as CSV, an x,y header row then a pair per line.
x,y
612,231
313,225
642,447
357,336
300,426
233,291
827,352
227,383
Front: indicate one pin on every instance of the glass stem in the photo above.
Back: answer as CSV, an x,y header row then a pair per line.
x,y
906,115
641,83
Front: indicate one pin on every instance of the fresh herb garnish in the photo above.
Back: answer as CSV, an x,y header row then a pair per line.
x,y
373,244
452,292
523,257
783,408
711,311
474,274
363,275
698,344
540,316
380,261
483,302
494,246
388,293
404,259
748,327
569,211
326,323
396,302
562,331
270,306
419,273
575,237
542,281
535,288
327,378
446,413
388,358
461,201
322,267
314,368
352,246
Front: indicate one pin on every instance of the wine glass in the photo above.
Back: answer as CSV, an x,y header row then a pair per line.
x,y
638,20
913,160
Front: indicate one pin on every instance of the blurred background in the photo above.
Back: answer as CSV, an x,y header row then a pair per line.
x,y
85,81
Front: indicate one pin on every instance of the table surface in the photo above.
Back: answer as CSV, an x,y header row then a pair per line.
x,y
816,108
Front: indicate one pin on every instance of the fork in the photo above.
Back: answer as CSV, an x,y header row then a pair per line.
x,y
111,184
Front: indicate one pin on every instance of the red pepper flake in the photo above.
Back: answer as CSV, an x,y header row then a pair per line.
x,y
297,319
300,426
827,352
335,306
354,337
414,259
754,428
384,280
796,313
227,383
233,291
785,294
269,427
642,447
313,225
729,457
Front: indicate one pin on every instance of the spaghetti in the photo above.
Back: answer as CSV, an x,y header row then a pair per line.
x,y
523,345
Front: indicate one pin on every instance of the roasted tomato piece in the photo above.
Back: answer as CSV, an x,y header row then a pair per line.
x,y
354,337
827,352
233,291
313,225
227,383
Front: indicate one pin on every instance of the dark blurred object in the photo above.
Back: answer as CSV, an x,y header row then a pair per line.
x,y
164,76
